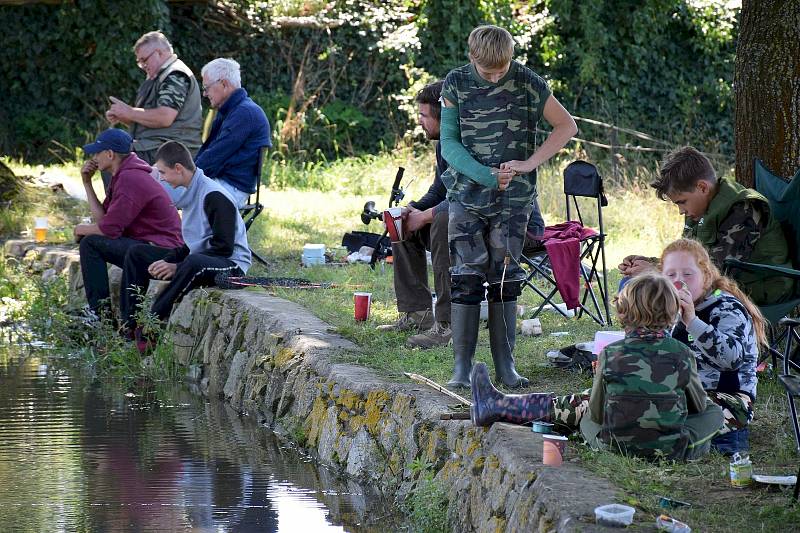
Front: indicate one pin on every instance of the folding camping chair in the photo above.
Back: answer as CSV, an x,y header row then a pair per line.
x,y
252,209
791,382
581,180
784,201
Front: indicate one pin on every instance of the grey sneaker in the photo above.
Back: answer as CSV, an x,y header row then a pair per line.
x,y
414,321
438,335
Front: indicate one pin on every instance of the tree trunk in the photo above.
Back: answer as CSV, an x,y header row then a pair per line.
x,y
767,88
10,185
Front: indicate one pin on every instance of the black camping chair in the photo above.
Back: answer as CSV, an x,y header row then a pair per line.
x,y
784,201
252,209
791,382
581,180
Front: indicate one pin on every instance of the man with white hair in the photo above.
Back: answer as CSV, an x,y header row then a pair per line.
x,y
167,106
239,130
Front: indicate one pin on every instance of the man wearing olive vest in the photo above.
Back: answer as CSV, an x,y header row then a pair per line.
x,y
729,220
167,106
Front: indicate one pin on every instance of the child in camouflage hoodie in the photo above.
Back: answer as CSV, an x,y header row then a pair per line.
x,y
646,399
724,330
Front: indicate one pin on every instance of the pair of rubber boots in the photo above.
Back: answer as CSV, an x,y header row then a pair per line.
x,y
464,323
489,405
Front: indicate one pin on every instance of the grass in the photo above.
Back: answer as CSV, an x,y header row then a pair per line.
x,y
635,221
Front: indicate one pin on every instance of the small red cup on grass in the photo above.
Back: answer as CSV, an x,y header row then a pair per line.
x,y
362,302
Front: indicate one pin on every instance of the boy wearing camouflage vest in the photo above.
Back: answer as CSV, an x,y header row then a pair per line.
x,y
491,108
646,399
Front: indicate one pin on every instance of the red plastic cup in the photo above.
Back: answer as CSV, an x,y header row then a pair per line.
x,y
362,301
393,218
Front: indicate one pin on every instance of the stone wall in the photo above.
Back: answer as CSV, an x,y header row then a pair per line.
x,y
274,360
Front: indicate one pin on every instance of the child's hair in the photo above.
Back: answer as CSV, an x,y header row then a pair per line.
x,y
491,46
713,279
680,171
648,301
173,152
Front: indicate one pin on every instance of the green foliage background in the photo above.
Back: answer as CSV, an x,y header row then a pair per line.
x,y
346,86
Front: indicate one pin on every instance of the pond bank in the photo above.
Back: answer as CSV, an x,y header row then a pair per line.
x,y
274,360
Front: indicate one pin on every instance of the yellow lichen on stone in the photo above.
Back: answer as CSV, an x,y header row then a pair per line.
x,y
493,462
434,439
499,524
375,410
450,470
284,356
473,446
477,465
313,424
349,400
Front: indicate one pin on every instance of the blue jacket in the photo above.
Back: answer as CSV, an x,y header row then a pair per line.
x,y
231,151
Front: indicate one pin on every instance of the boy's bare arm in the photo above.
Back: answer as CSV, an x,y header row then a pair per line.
x,y
564,128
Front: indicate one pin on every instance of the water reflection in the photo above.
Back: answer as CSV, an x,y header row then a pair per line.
x,y
79,455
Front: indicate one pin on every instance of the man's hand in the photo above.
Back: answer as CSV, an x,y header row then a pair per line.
x,y
87,170
417,219
162,270
518,167
504,177
633,265
119,111
77,233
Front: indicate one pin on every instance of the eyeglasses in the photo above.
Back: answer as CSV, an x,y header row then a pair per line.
x,y
210,85
142,63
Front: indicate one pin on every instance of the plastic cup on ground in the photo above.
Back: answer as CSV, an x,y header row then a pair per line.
x,y
40,229
362,303
553,447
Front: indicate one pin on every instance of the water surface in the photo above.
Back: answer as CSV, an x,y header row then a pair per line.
x,y
81,454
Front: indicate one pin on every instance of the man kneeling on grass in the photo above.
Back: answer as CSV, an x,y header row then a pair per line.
x,y
214,236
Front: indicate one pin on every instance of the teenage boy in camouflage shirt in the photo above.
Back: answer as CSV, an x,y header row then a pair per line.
x,y
729,220
491,108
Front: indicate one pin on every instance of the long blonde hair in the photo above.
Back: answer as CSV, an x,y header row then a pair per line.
x,y
713,279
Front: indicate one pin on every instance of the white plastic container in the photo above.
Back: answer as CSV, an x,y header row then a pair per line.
x,y
614,515
313,254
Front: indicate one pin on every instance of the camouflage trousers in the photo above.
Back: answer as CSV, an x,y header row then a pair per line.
x,y
737,410
479,245
568,411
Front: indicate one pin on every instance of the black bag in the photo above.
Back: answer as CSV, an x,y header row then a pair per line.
x,y
354,240
581,179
